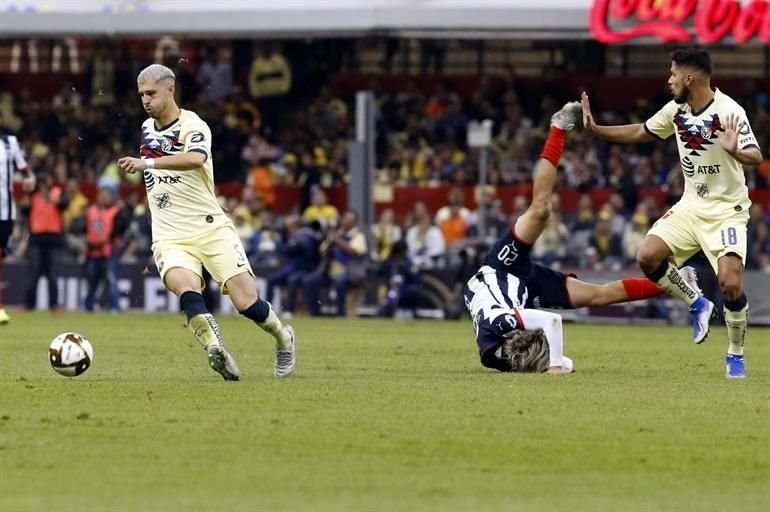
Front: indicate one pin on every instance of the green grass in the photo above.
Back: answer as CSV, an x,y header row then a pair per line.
x,y
380,415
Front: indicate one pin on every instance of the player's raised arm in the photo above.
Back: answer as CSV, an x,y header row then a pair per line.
x,y
629,133
739,141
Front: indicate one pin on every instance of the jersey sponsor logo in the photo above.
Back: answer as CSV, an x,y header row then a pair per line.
x,y
702,189
744,128
162,201
696,136
197,137
170,180
746,140
709,169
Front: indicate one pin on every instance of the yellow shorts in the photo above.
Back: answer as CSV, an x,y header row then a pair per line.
x,y
685,234
220,251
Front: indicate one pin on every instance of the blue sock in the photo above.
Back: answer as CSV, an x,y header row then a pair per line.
x,y
258,311
737,304
192,304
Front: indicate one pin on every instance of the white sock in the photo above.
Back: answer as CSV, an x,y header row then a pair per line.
x,y
736,329
673,284
273,326
550,323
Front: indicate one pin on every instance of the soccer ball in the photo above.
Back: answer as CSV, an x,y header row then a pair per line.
x,y
70,354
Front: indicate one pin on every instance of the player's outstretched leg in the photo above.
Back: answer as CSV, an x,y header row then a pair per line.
x,y
529,226
585,294
653,260
262,314
205,329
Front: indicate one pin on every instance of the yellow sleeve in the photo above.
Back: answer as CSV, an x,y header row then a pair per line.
x,y
196,136
661,125
746,138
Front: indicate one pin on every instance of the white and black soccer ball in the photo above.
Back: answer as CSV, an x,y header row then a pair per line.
x,y
70,354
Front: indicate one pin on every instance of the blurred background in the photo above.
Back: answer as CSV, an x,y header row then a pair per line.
x,y
301,153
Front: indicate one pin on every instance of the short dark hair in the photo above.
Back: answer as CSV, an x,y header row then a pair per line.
x,y
693,56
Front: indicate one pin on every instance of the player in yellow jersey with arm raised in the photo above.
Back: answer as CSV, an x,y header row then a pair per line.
x,y
715,140
189,228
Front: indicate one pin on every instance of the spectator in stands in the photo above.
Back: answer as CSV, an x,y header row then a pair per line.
x,y
101,76
424,240
77,203
520,205
402,284
104,223
301,257
215,75
264,246
345,265
270,80
455,199
635,233
758,243
385,234
320,210
454,228
550,248
604,247
44,208
244,226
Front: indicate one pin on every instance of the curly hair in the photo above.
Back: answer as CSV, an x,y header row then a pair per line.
x,y
527,351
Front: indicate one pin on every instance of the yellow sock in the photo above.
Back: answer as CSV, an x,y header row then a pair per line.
x,y
736,329
274,326
205,330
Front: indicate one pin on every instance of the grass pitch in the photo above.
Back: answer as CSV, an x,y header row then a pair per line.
x,y
381,415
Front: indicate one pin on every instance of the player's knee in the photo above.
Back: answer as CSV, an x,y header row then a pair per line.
x,y
647,259
541,210
730,284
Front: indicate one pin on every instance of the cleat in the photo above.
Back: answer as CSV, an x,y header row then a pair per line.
x,y
285,358
701,312
736,368
223,363
567,117
690,277
4,318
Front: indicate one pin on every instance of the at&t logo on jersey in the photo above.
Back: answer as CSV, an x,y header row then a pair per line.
x,y
690,169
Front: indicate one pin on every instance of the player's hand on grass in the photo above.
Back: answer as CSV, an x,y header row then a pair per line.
x,y
728,138
131,165
588,118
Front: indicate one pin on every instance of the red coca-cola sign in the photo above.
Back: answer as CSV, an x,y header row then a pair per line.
x,y
673,21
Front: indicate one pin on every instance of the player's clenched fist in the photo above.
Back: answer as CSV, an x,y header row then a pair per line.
x,y
131,165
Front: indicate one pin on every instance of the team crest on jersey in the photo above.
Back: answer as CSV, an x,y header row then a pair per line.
x,y
162,201
697,136
166,145
702,190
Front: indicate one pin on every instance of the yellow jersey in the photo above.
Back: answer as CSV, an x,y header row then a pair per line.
x,y
714,181
183,204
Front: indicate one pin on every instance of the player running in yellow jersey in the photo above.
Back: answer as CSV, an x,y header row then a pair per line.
x,y
190,230
715,141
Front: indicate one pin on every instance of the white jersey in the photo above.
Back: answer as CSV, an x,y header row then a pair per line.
x,y
183,204
714,181
11,161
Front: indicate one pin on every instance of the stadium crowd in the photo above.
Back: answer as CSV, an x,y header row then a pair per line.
x,y
271,128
